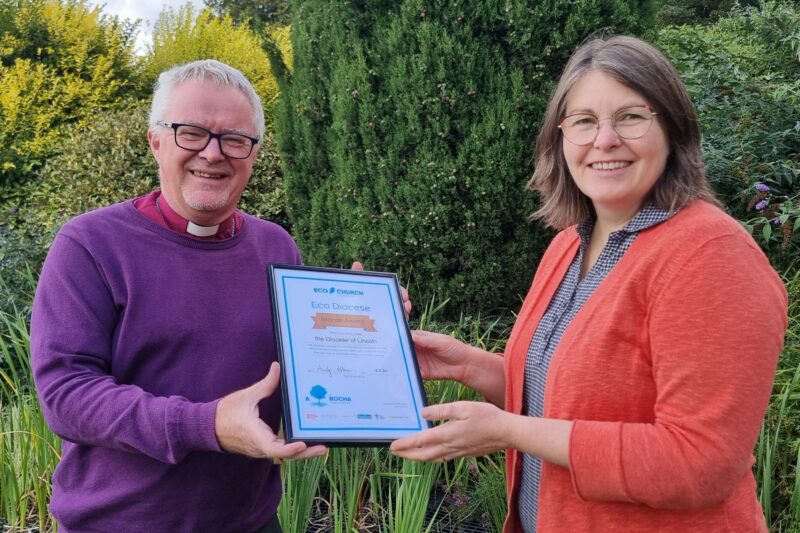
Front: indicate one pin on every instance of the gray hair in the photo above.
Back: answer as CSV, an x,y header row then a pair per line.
x,y
643,68
204,70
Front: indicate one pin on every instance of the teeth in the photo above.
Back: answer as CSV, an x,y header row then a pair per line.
x,y
204,175
610,165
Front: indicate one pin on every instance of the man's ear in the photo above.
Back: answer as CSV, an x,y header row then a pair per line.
x,y
155,143
257,150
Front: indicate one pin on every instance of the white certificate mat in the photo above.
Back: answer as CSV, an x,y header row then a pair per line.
x,y
348,370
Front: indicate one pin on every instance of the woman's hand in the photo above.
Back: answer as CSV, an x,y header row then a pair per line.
x,y
440,356
443,357
472,429
479,428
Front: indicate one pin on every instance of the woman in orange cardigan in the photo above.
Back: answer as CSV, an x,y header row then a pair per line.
x,y
636,377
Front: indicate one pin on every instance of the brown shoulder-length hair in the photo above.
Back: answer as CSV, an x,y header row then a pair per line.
x,y
640,66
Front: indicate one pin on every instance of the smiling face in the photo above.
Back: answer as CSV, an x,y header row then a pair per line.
x,y
614,173
204,186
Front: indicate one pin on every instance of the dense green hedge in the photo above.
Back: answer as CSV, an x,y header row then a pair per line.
x,y
406,131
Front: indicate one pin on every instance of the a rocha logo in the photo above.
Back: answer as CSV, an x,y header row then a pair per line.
x,y
319,392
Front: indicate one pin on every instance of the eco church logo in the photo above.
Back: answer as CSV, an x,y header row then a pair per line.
x,y
332,290
340,292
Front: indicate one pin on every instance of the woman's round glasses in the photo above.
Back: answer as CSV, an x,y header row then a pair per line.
x,y
628,122
195,139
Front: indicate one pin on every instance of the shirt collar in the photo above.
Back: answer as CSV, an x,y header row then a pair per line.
x,y
647,217
156,208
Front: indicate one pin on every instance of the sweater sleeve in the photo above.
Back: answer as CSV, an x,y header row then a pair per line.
x,y
72,328
715,332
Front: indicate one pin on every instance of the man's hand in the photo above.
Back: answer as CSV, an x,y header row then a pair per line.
x,y
403,292
240,430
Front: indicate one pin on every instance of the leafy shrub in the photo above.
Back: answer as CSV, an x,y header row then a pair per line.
x,y
257,13
407,134
184,35
98,164
27,131
61,62
678,12
742,73
265,196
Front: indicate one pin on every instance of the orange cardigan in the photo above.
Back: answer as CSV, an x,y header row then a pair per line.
x,y
667,372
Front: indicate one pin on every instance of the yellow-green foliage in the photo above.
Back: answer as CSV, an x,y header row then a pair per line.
x,y
282,37
61,63
26,91
182,36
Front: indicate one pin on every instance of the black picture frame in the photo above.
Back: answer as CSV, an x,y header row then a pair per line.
x,y
349,329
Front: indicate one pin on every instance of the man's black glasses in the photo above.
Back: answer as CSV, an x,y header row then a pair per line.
x,y
195,139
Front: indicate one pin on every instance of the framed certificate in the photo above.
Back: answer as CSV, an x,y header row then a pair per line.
x,y
349,374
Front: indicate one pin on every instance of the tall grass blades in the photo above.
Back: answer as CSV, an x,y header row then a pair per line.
x,y
300,485
794,502
346,471
413,494
401,494
490,492
777,452
15,361
474,492
777,457
29,451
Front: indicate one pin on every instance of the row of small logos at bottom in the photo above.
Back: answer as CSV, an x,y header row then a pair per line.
x,y
358,416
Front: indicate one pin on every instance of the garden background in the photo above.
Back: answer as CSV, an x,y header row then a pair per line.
x,y
400,134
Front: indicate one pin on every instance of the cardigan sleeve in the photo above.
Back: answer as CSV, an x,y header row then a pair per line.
x,y
715,331
72,327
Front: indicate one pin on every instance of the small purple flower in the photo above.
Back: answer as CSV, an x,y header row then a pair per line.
x,y
460,500
761,187
776,221
762,204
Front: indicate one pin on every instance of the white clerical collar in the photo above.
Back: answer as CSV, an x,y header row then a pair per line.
x,y
201,231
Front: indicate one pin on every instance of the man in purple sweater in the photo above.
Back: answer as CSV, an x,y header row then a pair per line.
x,y
151,324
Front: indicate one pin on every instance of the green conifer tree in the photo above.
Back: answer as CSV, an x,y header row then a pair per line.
x,y
407,128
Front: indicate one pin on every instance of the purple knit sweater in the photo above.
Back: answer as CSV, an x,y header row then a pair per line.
x,y
136,332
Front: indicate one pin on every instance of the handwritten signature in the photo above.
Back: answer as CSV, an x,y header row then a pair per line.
x,y
328,371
